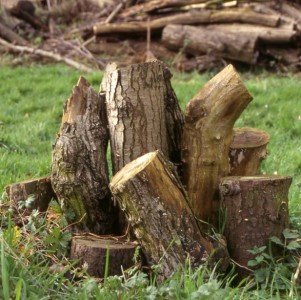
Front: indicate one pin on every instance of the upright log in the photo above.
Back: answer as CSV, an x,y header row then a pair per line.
x,y
143,113
256,208
247,150
207,136
157,208
79,166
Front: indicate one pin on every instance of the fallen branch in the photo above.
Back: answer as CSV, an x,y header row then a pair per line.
x,y
54,56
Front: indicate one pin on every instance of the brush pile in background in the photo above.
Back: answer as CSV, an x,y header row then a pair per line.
x,y
189,35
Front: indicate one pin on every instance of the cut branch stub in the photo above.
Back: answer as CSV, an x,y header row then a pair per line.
x,y
143,112
156,206
207,135
255,209
247,150
79,166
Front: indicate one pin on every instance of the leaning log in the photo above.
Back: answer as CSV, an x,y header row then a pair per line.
x,y
9,35
39,189
202,40
192,17
247,150
93,252
143,113
79,166
207,136
256,208
157,208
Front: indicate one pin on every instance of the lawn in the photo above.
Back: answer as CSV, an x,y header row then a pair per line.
x,y
32,101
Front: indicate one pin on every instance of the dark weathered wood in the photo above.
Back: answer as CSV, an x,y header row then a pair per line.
x,y
9,35
203,40
39,188
255,209
143,113
207,136
157,208
247,150
191,17
93,251
79,166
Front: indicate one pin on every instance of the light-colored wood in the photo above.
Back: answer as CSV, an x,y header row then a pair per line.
x,y
192,17
207,136
157,208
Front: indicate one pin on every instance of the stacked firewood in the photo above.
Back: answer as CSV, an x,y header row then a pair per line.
x,y
193,34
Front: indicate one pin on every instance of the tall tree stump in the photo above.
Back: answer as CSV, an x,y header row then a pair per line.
x,y
79,166
207,136
247,151
93,252
256,208
157,208
143,113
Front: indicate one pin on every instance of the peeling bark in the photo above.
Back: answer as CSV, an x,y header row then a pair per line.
x,y
79,166
157,208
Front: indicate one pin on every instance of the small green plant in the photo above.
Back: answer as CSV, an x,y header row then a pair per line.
x,y
276,272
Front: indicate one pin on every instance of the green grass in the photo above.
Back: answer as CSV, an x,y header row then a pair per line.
x,y
32,101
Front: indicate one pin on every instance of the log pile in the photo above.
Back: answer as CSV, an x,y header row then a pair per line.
x,y
177,177
193,35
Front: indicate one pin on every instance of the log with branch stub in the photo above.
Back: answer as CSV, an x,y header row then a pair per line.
x,y
79,167
247,150
202,40
192,17
157,208
255,208
143,112
92,252
207,136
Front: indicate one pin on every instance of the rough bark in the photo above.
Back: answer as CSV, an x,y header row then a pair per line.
x,y
40,189
192,17
79,166
93,251
247,150
207,136
143,113
266,34
157,208
256,208
202,40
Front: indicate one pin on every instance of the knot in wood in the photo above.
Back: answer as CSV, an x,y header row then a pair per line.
x,y
230,189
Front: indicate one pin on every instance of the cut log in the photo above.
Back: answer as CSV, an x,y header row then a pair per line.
x,y
93,252
143,113
79,166
192,17
157,208
202,40
207,136
39,188
9,35
247,151
256,208
266,34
